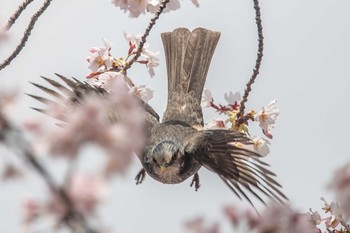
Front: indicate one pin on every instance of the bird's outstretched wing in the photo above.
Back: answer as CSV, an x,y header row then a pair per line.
x,y
224,152
75,91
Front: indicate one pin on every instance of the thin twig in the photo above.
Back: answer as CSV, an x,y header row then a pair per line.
x,y
144,36
26,35
257,63
18,12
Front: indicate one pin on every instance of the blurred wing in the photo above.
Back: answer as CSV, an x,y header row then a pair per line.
x,y
75,91
223,152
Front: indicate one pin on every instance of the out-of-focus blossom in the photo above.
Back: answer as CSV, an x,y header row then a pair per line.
x,y
10,171
31,209
138,7
113,122
86,192
233,100
267,116
233,214
207,98
336,215
100,59
282,219
314,218
261,146
198,225
142,92
341,185
216,124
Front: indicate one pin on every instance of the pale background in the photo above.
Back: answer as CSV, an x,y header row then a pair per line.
x,y
306,67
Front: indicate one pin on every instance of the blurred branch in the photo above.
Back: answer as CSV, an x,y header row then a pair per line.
x,y
16,15
257,63
145,35
26,35
13,137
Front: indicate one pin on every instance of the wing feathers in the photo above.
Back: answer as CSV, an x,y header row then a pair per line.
x,y
225,152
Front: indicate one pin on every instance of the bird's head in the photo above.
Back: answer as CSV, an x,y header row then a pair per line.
x,y
166,154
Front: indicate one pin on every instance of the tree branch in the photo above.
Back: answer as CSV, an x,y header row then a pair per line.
x,y
16,15
257,63
26,35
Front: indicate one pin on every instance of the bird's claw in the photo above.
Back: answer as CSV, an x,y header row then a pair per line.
x,y
140,176
195,181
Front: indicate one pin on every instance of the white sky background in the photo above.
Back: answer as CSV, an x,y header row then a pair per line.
x,y
306,67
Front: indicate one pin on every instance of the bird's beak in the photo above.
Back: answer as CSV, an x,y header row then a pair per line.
x,y
162,168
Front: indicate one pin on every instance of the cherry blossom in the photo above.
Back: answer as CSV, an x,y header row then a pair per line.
x,y
281,219
261,146
138,7
31,209
142,92
152,60
341,185
114,123
267,116
233,100
216,124
207,98
314,218
104,79
100,59
86,192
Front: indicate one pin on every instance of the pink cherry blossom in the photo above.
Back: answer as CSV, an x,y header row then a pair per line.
x,y
282,219
86,192
31,209
100,59
113,122
341,185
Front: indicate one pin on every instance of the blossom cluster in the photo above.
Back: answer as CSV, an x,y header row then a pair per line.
x,y
138,7
104,67
266,118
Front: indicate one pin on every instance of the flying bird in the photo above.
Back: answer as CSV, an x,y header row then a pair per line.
x,y
178,145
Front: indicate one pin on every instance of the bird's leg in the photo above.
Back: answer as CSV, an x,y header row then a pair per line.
x,y
195,181
140,176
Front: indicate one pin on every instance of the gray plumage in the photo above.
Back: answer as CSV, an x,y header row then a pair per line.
x,y
178,146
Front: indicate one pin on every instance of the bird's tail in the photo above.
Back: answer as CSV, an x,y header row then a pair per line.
x,y
188,56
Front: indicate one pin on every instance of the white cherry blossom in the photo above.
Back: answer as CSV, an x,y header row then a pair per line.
x,y
267,116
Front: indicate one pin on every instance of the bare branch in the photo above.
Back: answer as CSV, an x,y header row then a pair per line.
x,y
26,35
257,63
16,15
145,35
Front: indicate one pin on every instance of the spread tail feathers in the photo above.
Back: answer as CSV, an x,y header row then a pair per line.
x,y
188,55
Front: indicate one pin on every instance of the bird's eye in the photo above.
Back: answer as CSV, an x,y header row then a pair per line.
x,y
154,160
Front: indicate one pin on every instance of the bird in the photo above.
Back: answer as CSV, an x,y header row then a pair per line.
x,y
178,146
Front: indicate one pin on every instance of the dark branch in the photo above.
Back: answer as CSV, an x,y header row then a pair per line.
x,y
26,35
257,63
18,12
145,35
